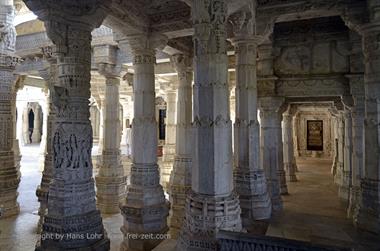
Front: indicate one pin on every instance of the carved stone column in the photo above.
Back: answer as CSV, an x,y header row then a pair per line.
x,y
290,165
271,148
212,204
36,135
180,178
72,220
50,76
338,178
358,113
127,104
145,209
169,147
9,173
111,180
249,177
344,188
368,216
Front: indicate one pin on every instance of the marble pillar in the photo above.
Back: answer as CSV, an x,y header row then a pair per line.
x,y
36,135
290,165
111,180
72,220
145,209
338,178
101,106
170,135
9,171
271,148
249,177
126,141
212,204
368,215
50,76
344,188
357,113
180,177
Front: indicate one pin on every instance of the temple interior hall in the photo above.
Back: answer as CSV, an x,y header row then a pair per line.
x,y
189,125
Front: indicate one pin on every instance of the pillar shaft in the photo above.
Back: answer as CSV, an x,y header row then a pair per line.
x,y
9,173
145,196
72,220
289,159
271,147
212,204
42,192
111,180
170,136
344,188
368,216
358,112
340,150
249,177
180,178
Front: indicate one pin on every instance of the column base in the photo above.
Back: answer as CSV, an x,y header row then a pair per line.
x,y
42,193
255,202
344,186
167,165
274,193
367,215
79,233
165,170
145,210
283,186
354,200
179,186
205,216
291,172
110,193
9,181
338,177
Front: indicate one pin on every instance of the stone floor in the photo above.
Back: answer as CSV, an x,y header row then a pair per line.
x,y
313,212
19,233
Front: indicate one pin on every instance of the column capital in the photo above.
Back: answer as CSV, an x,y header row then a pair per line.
x,y
271,104
356,82
110,71
182,63
143,46
86,14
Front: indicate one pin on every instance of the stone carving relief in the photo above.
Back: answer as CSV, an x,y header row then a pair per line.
x,y
7,30
320,46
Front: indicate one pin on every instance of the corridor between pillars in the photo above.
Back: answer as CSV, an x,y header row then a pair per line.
x,y
71,200
212,203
